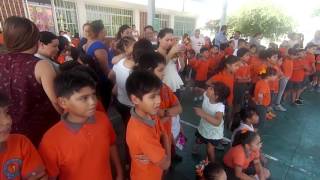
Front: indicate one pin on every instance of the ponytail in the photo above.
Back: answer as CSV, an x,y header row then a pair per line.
x,y
124,42
224,62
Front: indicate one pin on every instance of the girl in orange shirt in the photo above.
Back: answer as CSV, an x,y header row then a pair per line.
x,y
225,73
262,93
242,161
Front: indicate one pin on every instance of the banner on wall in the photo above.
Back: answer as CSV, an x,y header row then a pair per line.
x,y
42,16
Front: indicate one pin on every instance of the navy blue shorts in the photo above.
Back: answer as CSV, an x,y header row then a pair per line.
x,y
202,140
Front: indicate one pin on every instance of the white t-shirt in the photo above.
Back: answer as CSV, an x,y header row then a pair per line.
x,y
122,74
240,128
206,129
197,43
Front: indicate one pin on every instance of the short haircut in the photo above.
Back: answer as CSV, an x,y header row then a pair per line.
x,y
293,51
241,52
4,100
203,49
212,171
69,82
310,45
149,61
148,27
162,33
220,90
46,37
140,83
241,41
96,26
20,34
268,53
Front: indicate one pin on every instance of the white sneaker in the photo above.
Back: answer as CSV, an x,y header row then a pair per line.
x,y
280,108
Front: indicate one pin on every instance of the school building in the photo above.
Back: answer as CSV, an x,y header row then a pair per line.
x,y
56,15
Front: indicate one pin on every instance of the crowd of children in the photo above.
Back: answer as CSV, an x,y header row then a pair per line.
x,y
240,89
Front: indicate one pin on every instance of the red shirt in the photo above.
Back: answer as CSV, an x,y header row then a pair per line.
x,y
287,67
310,61
243,72
201,67
19,158
274,84
236,156
318,63
226,78
79,151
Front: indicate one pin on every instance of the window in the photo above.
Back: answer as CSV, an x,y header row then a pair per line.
x,y
160,21
112,18
66,15
183,25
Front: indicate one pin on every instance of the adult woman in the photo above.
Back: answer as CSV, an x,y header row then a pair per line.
x,y
27,80
123,31
170,50
97,50
48,48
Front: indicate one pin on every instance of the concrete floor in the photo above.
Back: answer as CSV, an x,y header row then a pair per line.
x,y
291,141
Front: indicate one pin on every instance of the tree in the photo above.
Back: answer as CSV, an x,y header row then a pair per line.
x,y
265,19
212,25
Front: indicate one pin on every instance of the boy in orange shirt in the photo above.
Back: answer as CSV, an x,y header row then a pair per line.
x,y
201,66
262,93
19,158
310,61
148,143
297,79
81,145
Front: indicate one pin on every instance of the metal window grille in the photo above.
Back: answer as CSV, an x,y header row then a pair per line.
x,y
183,25
66,15
11,8
112,18
160,20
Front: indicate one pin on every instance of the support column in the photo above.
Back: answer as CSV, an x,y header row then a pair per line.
x,y
171,21
82,15
136,19
223,19
151,12
54,14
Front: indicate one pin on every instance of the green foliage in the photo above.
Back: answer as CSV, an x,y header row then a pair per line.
x,y
212,25
316,12
266,19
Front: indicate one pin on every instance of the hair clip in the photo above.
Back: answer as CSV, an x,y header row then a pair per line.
x,y
262,71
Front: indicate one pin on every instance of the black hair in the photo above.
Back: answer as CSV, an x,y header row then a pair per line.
x,y
4,100
148,27
162,33
244,138
212,171
76,35
268,53
224,62
293,51
124,42
140,47
243,115
69,82
310,45
140,83
268,72
253,46
46,37
241,52
121,30
96,26
203,49
241,41
63,43
149,61
220,90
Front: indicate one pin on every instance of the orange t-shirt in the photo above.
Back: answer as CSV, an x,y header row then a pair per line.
x,y
1,39
310,60
287,68
298,70
256,65
201,67
19,158
226,78
143,138
243,72
236,156
318,63
262,88
274,84
79,151
168,100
